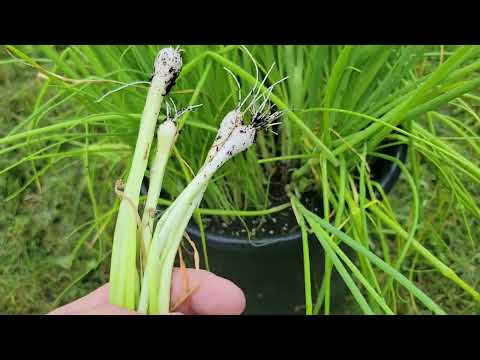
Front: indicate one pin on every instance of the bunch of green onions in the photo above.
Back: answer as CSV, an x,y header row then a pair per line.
x,y
147,288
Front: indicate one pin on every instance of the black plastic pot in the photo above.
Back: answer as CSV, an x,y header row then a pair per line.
x,y
271,274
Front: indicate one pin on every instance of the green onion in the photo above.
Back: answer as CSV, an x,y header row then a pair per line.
x,y
124,282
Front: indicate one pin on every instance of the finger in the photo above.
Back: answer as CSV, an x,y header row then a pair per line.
x,y
214,295
107,309
95,303
86,303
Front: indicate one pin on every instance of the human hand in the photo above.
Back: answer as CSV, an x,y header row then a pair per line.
x,y
214,296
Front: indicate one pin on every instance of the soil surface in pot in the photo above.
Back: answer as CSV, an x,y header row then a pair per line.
x,y
267,226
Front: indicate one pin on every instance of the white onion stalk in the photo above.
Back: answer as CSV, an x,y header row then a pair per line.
x,y
124,282
166,136
232,138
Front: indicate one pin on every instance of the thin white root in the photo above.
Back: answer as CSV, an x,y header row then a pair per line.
x,y
120,88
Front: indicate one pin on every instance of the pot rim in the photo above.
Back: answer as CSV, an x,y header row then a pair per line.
x,y
388,178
